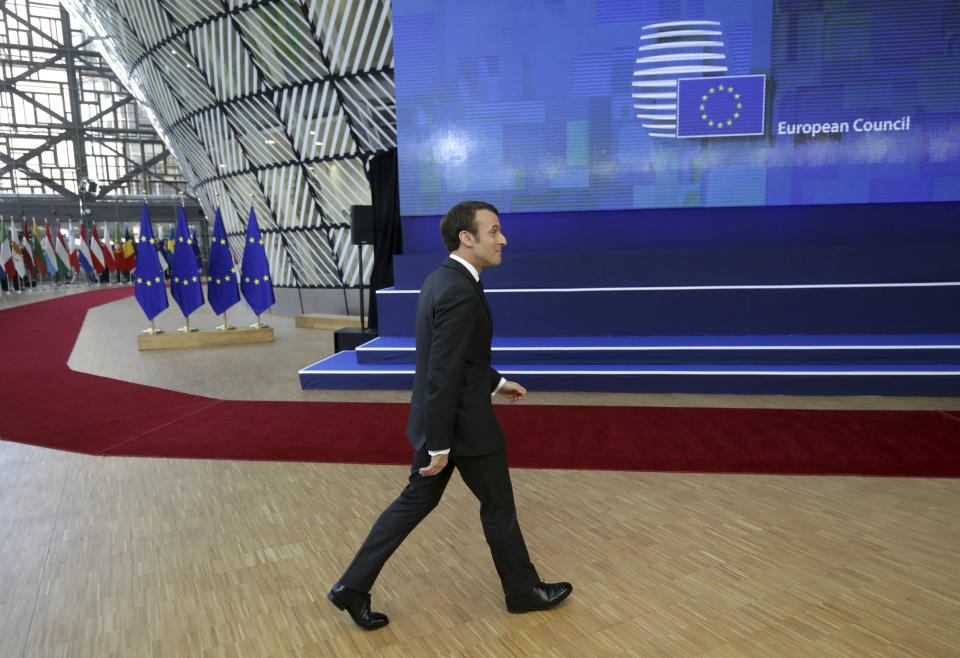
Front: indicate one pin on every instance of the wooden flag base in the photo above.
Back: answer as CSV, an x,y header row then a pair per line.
x,y
204,339
328,322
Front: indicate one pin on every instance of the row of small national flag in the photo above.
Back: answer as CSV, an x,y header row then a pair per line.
x,y
46,252
185,280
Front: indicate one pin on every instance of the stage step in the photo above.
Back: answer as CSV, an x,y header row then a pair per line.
x,y
342,371
904,262
717,350
815,309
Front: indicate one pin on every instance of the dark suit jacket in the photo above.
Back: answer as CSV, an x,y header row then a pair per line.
x,y
451,405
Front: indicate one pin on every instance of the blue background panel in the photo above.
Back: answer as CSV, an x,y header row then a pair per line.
x,y
531,106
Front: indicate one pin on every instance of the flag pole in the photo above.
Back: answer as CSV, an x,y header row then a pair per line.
x,y
152,330
8,279
225,326
13,235
186,329
105,247
103,258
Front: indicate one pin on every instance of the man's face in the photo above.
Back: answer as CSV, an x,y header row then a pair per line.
x,y
488,243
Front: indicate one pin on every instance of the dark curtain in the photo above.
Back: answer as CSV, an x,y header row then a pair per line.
x,y
384,188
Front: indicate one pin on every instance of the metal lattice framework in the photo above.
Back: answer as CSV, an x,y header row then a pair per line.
x,y
274,103
64,116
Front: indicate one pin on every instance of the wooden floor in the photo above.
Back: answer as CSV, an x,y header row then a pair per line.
x,y
156,557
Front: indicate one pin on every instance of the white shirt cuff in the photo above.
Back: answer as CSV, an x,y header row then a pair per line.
x,y
434,453
503,380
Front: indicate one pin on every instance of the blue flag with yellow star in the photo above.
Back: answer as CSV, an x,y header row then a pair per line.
x,y
729,106
148,286
184,276
255,283
196,250
221,274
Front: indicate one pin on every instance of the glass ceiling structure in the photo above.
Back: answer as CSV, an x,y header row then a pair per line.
x,y
65,118
278,104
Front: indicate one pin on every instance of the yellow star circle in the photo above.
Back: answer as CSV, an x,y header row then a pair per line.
x,y
720,124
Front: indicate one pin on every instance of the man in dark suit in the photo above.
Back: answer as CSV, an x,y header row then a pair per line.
x,y
452,424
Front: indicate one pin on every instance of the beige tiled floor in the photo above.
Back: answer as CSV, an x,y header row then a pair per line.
x,y
157,557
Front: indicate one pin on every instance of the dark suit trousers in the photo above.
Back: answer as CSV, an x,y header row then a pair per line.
x,y
489,480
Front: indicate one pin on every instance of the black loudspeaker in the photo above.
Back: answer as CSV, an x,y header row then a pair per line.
x,y
361,225
350,337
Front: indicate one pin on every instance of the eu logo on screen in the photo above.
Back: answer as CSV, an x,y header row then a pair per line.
x,y
728,106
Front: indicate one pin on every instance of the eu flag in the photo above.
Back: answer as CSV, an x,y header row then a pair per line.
x,y
255,283
221,275
185,283
728,106
196,250
149,288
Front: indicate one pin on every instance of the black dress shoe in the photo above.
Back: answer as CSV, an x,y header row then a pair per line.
x,y
543,596
358,605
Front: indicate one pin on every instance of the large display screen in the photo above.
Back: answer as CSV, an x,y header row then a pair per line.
x,y
540,105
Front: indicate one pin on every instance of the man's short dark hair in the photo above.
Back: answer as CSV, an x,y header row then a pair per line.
x,y
462,217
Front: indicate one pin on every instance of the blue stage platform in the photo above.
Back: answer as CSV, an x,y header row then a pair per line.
x,y
828,306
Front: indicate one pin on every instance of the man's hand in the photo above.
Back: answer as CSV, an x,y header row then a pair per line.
x,y
512,391
437,464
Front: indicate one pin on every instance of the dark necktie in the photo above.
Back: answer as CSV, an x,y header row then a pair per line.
x,y
483,298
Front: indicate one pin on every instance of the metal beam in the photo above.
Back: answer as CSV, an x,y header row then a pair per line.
x,y
116,106
43,49
37,176
38,66
27,25
133,173
79,151
30,99
32,153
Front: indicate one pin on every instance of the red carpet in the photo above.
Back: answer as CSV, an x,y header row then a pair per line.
x,y
44,403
